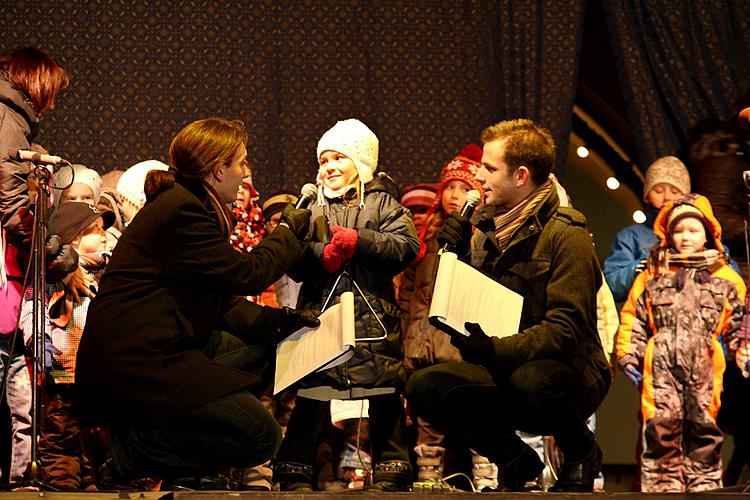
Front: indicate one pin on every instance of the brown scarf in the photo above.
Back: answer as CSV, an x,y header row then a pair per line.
x,y
223,216
507,223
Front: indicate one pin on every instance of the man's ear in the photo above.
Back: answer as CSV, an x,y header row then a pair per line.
x,y
219,174
523,176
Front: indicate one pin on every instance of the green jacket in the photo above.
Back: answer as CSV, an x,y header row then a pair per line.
x,y
551,262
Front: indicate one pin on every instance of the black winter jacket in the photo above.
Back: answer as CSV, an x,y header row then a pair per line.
x,y
19,124
386,245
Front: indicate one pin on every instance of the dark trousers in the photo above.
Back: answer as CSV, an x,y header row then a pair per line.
x,y
235,430
387,431
541,397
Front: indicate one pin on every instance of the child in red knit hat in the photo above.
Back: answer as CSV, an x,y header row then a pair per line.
x,y
423,345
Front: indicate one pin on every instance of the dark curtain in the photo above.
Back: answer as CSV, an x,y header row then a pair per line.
x,y
421,74
427,76
538,51
680,63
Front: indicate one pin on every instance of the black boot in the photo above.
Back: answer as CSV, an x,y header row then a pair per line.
x,y
524,468
391,475
293,477
578,477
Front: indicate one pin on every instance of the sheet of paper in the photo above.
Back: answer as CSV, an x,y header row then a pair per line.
x,y
312,349
463,294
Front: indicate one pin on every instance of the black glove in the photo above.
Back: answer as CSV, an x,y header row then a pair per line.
x,y
477,348
291,320
456,232
298,220
61,259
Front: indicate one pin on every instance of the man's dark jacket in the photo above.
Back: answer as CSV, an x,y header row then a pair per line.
x,y
551,262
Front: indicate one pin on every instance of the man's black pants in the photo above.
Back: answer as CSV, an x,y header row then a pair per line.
x,y
544,397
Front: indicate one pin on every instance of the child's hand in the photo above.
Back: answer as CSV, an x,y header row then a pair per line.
x,y
635,376
341,247
742,358
641,266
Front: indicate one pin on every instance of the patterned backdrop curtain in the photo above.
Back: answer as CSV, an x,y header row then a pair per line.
x,y
538,50
427,76
679,63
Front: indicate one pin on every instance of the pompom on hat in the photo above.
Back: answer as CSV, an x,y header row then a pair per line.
x,y
462,167
669,170
79,174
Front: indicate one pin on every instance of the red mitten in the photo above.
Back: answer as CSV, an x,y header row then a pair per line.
x,y
346,239
341,247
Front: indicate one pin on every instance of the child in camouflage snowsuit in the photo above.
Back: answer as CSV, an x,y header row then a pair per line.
x,y
671,327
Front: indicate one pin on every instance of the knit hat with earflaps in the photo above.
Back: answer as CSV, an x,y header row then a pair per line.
x,y
462,167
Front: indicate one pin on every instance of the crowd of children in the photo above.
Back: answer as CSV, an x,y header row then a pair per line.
x,y
680,322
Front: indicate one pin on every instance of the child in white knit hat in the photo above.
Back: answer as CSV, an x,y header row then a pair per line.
x,y
77,183
130,187
363,236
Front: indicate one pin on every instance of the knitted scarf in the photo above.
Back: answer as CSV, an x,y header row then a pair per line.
x,y
696,266
507,223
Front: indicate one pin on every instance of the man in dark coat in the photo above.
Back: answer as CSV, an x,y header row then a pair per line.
x,y
552,375
171,350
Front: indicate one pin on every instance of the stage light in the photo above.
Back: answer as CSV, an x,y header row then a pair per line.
x,y
613,183
582,151
639,217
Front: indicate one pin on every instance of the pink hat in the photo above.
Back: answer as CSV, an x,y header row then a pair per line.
x,y
420,196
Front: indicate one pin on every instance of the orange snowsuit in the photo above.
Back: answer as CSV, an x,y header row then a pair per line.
x,y
670,330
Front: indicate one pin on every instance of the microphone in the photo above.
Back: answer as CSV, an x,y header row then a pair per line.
x,y
35,157
472,200
307,195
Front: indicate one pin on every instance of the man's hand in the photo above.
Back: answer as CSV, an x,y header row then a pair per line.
x,y
297,219
291,320
641,266
633,374
456,233
477,348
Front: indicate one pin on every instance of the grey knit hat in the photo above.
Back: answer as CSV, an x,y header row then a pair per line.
x,y
78,174
669,170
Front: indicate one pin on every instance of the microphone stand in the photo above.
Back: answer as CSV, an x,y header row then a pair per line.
x,y
39,283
